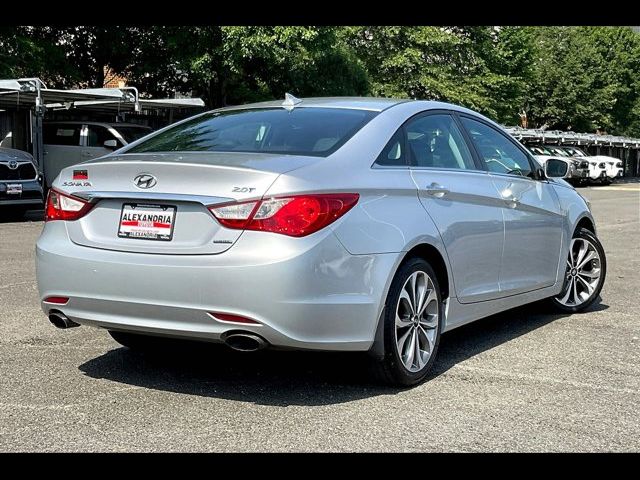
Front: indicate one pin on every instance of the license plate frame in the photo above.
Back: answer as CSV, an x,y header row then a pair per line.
x,y
156,232
14,189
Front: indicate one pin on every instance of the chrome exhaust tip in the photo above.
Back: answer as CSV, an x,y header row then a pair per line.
x,y
60,320
245,342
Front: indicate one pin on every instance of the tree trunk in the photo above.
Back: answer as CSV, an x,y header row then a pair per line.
x,y
99,78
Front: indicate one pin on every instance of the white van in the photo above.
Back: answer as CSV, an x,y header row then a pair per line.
x,y
69,142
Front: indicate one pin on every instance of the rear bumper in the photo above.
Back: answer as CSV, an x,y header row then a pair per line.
x,y
31,194
614,172
307,293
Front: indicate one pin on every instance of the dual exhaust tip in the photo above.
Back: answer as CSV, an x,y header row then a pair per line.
x,y
239,341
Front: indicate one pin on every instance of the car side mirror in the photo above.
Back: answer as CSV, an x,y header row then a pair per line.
x,y
555,168
113,144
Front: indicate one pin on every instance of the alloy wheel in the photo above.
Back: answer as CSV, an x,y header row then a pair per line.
x,y
416,321
582,275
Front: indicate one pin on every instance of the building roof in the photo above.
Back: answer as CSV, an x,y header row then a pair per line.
x,y
27,92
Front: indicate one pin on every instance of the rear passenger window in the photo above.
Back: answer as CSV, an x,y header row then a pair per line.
x,y
435,141
393,154
61,135
499,154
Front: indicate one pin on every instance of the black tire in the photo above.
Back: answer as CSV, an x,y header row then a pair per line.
x,y
583,233
390,369
606,181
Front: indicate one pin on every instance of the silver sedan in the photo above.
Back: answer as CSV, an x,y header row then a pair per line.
x,y
354,224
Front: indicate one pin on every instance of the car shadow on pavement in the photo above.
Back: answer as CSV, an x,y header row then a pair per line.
x,y
284,378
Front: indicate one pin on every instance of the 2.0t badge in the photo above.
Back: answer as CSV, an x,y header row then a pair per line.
x,y
145,180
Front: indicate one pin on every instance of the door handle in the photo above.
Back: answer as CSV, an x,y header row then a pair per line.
x,y
86,154
512,201
436,190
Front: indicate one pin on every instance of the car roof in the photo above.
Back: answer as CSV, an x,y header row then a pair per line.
x,y
356,103
104,124
376,104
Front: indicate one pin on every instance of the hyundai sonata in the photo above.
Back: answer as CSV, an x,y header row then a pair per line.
x,y
353,224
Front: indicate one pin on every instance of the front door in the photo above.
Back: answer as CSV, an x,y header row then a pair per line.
x,y
531,210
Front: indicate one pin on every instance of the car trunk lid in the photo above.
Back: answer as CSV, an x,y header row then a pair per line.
x,y
165,196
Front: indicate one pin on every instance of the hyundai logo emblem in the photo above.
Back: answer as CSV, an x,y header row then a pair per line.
x,y
13,164
145,180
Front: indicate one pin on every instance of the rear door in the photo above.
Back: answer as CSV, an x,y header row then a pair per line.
x,y
62,148
531,210
462,201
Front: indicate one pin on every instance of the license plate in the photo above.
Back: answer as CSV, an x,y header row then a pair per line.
x,y
14,188
147,222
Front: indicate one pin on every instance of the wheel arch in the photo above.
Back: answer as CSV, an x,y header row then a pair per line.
x,y
438,261
432,255
585,222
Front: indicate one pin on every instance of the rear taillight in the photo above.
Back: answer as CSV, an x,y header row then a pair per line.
x,y
296,216
227,317
61,206
57,300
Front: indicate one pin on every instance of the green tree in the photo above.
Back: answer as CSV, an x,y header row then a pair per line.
x,y
24,53
618,50
585,78
452,64
579,78
231,65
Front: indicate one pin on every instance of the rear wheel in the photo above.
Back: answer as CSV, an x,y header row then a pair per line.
x,y
412,325
586,268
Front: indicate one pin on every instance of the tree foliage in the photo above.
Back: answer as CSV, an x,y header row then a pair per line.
x,y
579,78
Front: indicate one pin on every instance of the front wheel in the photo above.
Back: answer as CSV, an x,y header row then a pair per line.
x,y
412,325
586,268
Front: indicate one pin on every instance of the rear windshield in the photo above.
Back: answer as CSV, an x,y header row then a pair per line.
x,y
301,131
131,134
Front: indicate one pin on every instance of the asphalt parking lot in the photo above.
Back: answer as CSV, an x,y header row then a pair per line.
x,y
524,380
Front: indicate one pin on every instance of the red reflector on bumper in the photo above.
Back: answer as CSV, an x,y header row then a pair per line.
x,y
227,317
58,300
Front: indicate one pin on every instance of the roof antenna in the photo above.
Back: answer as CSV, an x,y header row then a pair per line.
x,y
290,101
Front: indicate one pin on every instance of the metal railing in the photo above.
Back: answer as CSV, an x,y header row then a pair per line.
x,y
572,138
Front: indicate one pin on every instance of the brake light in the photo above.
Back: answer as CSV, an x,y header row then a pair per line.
x,y
295,216
61,206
